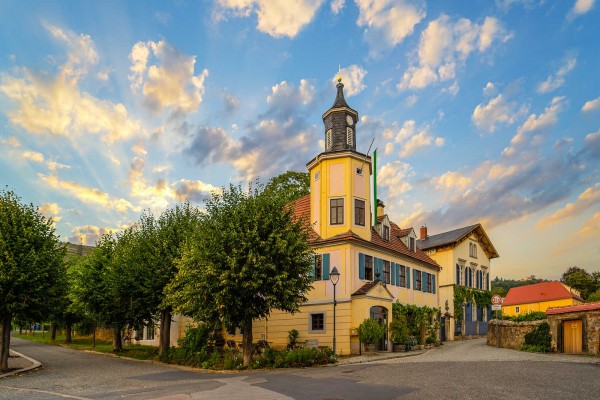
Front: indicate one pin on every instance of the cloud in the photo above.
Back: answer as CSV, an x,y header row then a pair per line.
x,y
591,148
490,89
388,22
170,84
55,105
231,102
394,178
11,142
411,138
38,157
579,8
337,6
548,118
87,194
556,80
50,210
452,181
89,235
497,111
445,45
589,198
352,78
164,18
277,18
591,228
591,105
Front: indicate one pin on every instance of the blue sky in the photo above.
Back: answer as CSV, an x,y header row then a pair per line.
x,y
481,111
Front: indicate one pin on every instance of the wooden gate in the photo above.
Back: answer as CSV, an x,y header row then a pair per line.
x,y
572,336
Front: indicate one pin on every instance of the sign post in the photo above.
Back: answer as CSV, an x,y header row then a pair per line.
x,y
497,306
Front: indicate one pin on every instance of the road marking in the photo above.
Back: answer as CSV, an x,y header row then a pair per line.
x,y
66,396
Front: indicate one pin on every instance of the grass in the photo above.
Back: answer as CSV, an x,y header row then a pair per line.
x,y
136,351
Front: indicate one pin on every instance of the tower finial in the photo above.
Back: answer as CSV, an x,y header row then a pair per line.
x,y
339,77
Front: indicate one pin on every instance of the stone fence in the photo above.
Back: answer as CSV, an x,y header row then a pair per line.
x,y
509,334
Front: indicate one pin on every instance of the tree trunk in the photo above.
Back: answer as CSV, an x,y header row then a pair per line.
x,y
53,328
68,330
247,341
5,342
20,329
117,340
165,332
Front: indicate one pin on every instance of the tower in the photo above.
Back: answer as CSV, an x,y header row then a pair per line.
x,y
340,176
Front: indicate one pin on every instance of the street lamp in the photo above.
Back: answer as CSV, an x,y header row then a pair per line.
x,y
334,277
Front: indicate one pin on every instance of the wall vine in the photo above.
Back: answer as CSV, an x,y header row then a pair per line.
x,y
463,295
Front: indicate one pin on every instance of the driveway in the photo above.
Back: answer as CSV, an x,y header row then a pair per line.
x,y
465,370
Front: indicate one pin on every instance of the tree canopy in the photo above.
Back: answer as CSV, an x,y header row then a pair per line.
x,y
32,272
248,257
290,185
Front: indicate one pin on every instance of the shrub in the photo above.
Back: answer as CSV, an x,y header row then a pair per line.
x,y
300,357
293,339
371,331
232,360
195,339
532,316
399,332
539,339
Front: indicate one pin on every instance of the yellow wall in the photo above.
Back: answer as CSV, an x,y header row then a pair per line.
x,y
540,306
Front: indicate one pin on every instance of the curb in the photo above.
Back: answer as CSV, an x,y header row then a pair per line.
x,y
381,358
35,364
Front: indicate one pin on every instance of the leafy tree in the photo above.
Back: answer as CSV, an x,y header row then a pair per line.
x,y
32,273
594,296
581,280
248,257
290,185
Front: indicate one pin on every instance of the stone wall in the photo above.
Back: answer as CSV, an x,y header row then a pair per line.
x,y
509,334
590,327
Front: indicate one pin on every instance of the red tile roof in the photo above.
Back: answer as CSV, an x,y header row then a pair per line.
x,y
302,210
545,291
577,308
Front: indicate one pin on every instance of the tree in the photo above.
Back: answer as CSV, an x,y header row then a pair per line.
x,y
581,280
290,185
32,273
249,256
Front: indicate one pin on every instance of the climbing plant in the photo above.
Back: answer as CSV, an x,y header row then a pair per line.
x,y
420,321
463,295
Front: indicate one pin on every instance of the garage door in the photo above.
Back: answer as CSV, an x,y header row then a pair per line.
x,y
572,336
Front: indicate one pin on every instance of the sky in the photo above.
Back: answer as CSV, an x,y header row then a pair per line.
x,y
482,111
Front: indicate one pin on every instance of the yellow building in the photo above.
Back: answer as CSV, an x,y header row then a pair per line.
x,y
465,255
378,262
539,297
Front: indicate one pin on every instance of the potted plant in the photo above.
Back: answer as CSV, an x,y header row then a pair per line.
x,y
412,343
370,332
399,334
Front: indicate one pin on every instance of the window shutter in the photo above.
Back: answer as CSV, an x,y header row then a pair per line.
x,y
393,273
314,262
407,277
361,266
398,267
378,263
415,272
433,283
325,267
424,281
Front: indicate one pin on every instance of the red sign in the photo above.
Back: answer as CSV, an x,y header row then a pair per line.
x,y
496,299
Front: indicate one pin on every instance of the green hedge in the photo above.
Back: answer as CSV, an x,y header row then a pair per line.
x,y
539,340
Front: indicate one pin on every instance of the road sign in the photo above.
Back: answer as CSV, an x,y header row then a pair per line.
x,y
496,307
496,299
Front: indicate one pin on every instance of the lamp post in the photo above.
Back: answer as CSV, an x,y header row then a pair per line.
x,y
334,277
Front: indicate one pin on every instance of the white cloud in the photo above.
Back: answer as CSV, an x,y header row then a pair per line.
x,y
580,7
591,227
388,22
170,84
556,80
452,181
11,142
33,156
50,210
277,18
412,138
89,234
287,95
548,118
452,89
591,105
394,177
496,111
411,100
352,78
444,45
590,197
337,6
490,89
82,51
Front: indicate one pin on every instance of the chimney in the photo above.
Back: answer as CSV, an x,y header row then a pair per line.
x,y
423,233
380,208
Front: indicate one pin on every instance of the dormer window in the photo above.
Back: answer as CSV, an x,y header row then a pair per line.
x,y
411,243
328,140
386,233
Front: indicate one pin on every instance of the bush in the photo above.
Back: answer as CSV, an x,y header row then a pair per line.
x,y
293,339
399,332
195,339
371,331
532,316
301,357
539,339
232,360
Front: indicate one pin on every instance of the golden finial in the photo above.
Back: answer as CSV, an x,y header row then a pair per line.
x,y
339,74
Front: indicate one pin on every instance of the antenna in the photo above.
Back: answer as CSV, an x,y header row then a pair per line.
x,y
359,170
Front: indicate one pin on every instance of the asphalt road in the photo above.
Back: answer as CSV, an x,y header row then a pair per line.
x,y
465,370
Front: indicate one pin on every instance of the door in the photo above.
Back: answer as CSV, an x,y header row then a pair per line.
x,y
381,314
572,336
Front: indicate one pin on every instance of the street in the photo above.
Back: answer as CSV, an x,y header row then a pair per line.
x,y
465,370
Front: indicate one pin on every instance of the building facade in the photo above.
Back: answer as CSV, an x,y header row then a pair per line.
x,y
465,255
539,297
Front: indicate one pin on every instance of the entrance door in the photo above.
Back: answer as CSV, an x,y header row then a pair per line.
x,y
381,314
572,336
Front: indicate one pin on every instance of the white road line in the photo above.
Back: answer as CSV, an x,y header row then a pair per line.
x,y
66,396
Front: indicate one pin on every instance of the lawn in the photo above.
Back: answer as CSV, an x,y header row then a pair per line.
x,y
103,346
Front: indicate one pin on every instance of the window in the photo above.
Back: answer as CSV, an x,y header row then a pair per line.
x,y
517,309
349,137
318,267
473,250
402,276
336,211
317,175
386,271
328,140
369,268
429,283
487,281
457,274
411,243
418,285
150,331
359,212
386,233
317,322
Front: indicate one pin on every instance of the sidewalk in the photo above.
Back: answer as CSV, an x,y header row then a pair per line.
x,y
19,363
378,356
